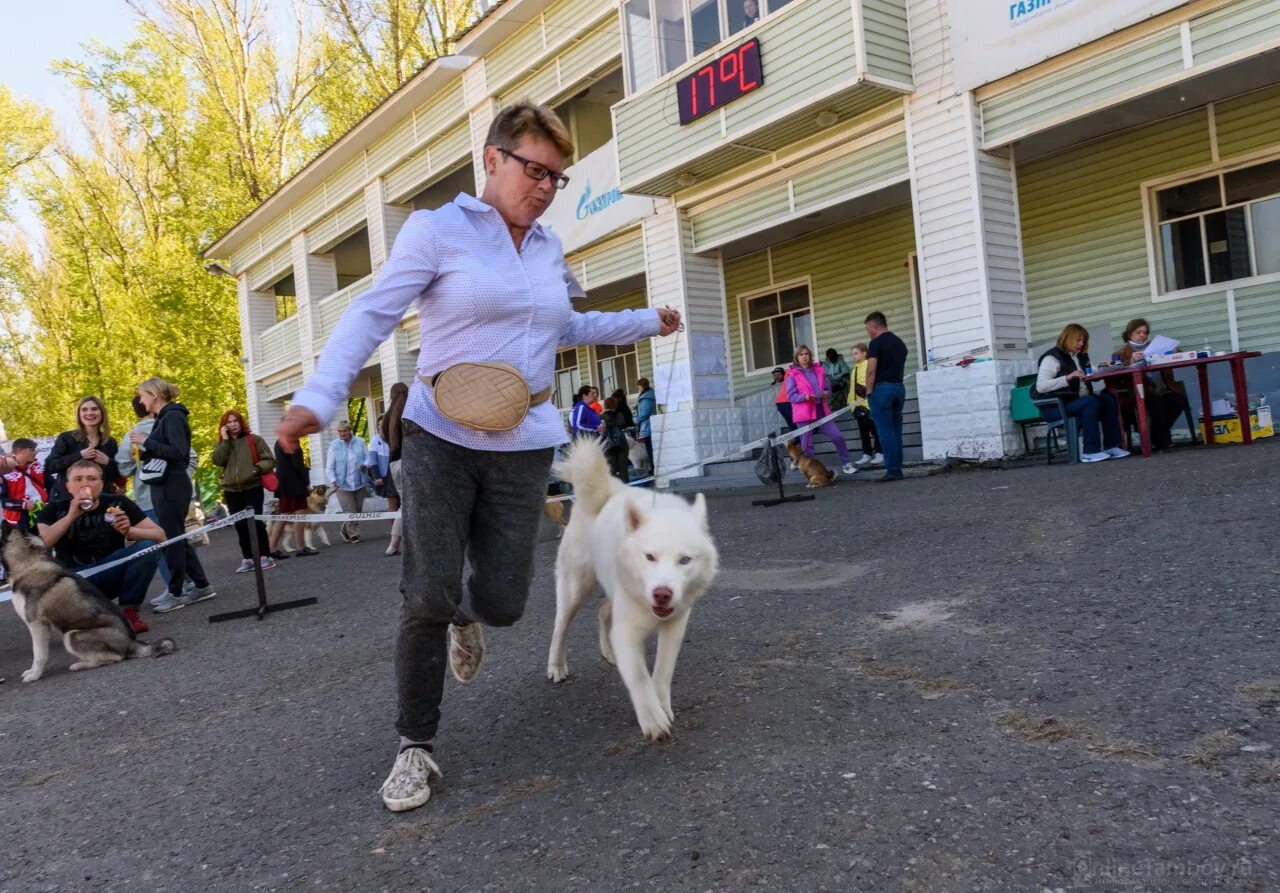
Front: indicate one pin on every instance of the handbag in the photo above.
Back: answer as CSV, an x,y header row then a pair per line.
x,y
270,480
152,470
484,396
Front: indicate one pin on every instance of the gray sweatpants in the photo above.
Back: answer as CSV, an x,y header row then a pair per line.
x,y
459,503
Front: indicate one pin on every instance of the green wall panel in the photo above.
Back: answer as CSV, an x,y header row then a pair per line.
x,y
1248,123
846,284
1084,238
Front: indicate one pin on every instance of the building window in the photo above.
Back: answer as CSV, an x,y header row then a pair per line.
x,y
568,379
776,323
661,35
1221,228
617,367
286,293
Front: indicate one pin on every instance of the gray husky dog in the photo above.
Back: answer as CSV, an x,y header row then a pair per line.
x,y
51,600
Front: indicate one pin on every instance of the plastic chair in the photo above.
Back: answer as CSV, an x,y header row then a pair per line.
x,y
1023,411
1068,424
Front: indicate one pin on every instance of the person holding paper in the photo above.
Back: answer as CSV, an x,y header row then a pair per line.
x,y
1165,396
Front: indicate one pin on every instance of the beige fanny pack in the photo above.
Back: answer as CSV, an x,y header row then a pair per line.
x,y
484,396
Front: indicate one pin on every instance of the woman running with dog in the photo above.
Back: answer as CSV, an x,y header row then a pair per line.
x,y
495,295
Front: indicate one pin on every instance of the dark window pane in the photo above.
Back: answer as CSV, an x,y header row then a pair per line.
x,y
1228,245
1188,198
795,299
706,25
761,346
784,346
759,308
1183,254
777,4
1258,181
1266,235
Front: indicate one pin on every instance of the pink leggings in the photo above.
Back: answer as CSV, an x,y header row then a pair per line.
x,y
833,433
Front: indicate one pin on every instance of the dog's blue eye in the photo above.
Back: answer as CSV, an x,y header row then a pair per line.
x,y
649,556
685,559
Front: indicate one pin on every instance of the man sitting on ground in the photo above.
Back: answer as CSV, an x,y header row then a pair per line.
x,y
111,528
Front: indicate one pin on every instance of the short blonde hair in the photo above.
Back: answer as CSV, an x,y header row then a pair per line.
x,y
528,119
1069,334
161,388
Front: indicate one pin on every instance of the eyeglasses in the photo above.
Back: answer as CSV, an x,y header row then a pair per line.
x,y
535,171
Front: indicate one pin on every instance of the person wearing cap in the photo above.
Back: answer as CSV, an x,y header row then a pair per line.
x,y
781,400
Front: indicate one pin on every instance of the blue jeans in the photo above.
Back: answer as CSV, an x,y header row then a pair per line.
x,y
129,581
886,402
1094,411
164,565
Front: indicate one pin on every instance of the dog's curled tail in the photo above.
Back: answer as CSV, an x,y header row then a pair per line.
x,y
585,467
159,649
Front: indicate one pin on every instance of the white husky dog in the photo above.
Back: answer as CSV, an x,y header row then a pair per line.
x,y
653,556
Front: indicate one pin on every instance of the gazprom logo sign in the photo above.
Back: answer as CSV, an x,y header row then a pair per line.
x,y
592,206
1021,10
589,204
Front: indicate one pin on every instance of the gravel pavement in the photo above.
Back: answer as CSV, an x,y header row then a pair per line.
x,y
1057,678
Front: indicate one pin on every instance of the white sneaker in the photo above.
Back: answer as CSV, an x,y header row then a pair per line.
x,y
1117,453
865,460
849,468
409,784
877,459
1094,457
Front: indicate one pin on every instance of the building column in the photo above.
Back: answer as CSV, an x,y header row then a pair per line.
x,y
690,369
482,110
314,277
385,221
257,314
969,253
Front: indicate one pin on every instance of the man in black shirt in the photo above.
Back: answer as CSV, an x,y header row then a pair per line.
x,y
886,394
111,528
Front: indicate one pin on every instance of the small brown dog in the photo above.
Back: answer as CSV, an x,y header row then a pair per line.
x,y
815,471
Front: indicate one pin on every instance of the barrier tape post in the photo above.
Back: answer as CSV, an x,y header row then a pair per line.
x,y
782,496
263,608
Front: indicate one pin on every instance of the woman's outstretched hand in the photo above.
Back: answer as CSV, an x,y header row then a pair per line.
x,y
670,320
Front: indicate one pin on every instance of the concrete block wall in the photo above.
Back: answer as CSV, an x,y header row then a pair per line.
x,y
964,411
689,435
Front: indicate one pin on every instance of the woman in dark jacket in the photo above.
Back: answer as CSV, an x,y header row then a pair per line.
x,y
614,439
1165,397
393,434
90,439
291,499
244,458
170,441
624,411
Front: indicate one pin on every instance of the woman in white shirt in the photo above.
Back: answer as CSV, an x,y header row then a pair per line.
x,y
490,284
1061,373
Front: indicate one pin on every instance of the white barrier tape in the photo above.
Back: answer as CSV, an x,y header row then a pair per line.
x,y
736,451
155,547
332,518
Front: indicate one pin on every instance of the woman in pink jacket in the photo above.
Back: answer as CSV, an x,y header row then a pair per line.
x,y
810,396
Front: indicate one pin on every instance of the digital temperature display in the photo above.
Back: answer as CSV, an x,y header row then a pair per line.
x,y
720,82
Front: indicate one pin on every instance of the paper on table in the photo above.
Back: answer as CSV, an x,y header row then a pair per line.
x,y
1159,346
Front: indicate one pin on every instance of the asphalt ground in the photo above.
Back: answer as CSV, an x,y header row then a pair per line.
x,y
1041,678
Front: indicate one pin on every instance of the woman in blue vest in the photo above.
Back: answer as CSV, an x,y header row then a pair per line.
x,y
1061,373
